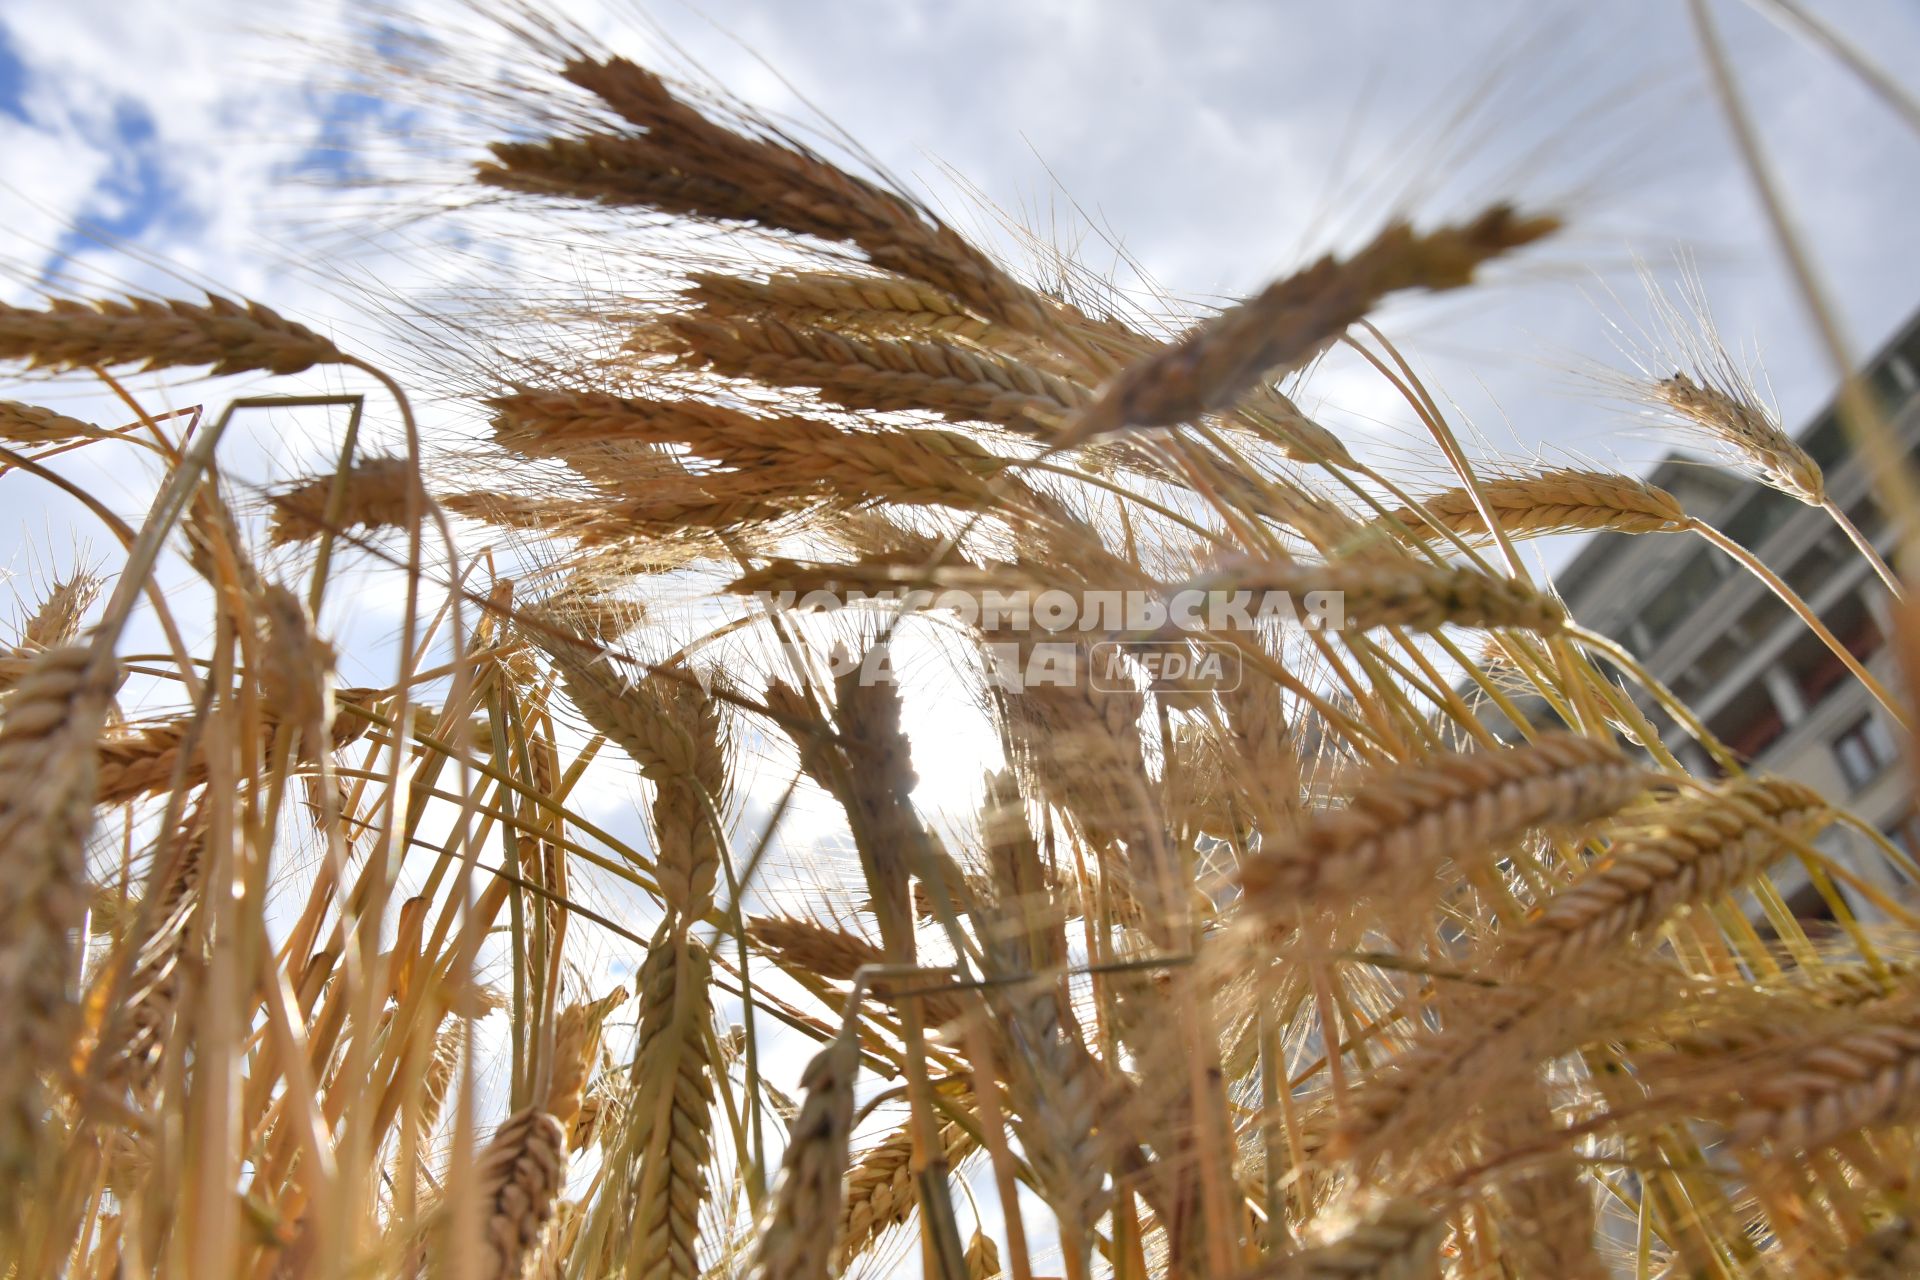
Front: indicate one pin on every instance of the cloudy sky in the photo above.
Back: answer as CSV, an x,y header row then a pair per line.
x,y
1212,145
1215,144
1194,149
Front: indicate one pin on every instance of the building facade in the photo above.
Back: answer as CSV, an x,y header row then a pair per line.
x,y
1754,673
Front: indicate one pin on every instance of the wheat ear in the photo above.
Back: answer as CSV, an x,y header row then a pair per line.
x,y
685,163
1398,1240
1546,502
1489,1051
57,620
143,760
672,730
884,306
232,337
1890,1253
520,1174
31,424
1859,1078
135,1034
1693,851
48,725
1402,822
880,1186
375,498
576,1046
799,1234
1740,422
866,373
673,1107
1393,592
1548,1227
905,466
982,1257
1286,324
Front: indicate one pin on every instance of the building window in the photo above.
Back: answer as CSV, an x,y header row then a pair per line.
x,y
1749,723
1863,750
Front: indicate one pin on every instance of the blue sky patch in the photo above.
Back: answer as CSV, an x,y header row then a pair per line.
x,y
135,198
13,79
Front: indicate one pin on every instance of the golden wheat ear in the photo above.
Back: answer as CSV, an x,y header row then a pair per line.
x,y
31,424
1401,823
373,495
882,1191
55,622
227,336
1284,326
48,727
1693,851
520,1174
1535,504
800,1231
1736,419
684,163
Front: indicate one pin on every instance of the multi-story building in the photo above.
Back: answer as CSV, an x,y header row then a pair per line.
x,y
1721,640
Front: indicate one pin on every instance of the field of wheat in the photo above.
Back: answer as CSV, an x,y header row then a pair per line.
x,y
1410,951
